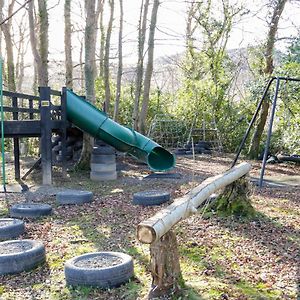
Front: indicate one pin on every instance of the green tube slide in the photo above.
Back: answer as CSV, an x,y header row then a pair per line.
x,y
95,122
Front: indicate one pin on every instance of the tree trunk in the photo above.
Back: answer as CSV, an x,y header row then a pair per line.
x,y
68,45
43,41
34,46
190,29
39,50
22,49
165,267
149,69
81,66
140,64
120,65
257,135
6,28
35,79
106,58
90,47
102,45
89,72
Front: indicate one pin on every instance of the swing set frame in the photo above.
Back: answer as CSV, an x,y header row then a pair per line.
x,y
254,117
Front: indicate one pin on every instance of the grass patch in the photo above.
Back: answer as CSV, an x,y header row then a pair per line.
x,y
260,291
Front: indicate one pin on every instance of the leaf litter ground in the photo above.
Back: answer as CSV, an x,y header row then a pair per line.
x,y
221,258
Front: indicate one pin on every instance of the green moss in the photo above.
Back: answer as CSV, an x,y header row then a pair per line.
x,y
195,254
234,201
260,291
2,289
38,286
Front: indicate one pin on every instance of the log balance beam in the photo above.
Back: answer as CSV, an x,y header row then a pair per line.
x,y
156,231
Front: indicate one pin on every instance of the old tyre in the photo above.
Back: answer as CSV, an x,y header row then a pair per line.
x,y
30,210
286,157
103,167
74,197
59,158
199,150
148,198
69,151
20,255
204,144
78,145
101,269
205,151
56,148
103,158
11,228
71,140
103,176
103,150
180,151
55,139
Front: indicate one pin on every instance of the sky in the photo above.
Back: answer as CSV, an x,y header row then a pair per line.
x,y
170,32
171,24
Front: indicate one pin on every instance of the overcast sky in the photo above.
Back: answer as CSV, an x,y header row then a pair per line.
x,y
170,31
171,27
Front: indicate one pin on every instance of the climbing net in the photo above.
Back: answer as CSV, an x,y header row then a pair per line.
x,y
168,131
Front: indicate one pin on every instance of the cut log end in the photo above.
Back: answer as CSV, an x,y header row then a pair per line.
x,y
146,234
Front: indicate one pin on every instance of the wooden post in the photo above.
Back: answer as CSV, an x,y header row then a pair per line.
x,y
165,267
63,130
16,140
30,107
46,132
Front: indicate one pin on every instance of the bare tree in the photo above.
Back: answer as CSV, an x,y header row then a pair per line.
x,y
39,47
43,42
106,57
140,64
278,8
21,46
90,47
33,41
102,42
149,68
120,64
68,45
81,64
190,27
6,28
89,72
90,34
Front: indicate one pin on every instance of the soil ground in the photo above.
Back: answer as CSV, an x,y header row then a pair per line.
x,y
220,258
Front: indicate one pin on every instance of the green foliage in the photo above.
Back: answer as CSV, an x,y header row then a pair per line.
x,y
159,102
293,54
288,111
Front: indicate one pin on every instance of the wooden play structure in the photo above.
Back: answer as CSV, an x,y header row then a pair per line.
x,y
36,116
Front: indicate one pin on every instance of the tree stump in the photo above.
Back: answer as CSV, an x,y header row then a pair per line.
x,y
235,200
165,267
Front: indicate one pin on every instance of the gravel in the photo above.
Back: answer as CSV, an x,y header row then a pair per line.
x,y
99,261
14,247
5,223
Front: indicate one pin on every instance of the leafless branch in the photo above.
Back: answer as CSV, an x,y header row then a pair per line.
x,y
15,12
